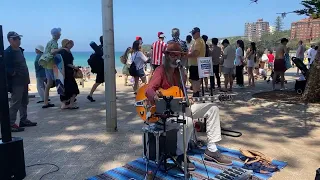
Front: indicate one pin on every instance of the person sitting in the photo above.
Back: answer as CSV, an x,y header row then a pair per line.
x,y
166,76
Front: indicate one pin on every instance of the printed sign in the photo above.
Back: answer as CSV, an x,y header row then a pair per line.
x,y
205,67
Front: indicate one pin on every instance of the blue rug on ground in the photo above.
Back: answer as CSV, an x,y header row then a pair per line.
x,y
136,169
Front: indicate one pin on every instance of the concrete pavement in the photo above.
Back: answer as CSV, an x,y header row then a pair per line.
x,y
76,141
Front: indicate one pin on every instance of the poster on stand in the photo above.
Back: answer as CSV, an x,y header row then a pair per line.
x,y
205,67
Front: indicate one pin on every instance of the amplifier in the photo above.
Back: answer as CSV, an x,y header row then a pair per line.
x,y
155,142
234,173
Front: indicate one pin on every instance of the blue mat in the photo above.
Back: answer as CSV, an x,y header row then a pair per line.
x,y
136,168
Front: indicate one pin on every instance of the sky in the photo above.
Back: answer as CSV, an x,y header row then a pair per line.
x,y
81,20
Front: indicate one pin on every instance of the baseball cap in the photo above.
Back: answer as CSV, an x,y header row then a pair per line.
x,y
161,35
195,30
55,31
13,34
138,38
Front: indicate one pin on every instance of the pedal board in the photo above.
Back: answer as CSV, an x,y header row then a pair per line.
x,y
234,173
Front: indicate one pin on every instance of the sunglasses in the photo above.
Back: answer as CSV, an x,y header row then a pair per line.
x,y
173,55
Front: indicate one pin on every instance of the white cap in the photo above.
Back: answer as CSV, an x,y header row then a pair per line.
x,y
40,48
162,36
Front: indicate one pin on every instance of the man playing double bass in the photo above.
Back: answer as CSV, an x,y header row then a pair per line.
x,y
166,76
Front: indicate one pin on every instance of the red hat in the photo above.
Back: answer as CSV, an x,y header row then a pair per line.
x,y
161,34
138,38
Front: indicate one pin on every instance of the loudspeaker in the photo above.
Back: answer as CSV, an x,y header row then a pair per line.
x,y
167,143
12,164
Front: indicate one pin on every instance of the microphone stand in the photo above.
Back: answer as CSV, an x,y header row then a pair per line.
x,y
185,103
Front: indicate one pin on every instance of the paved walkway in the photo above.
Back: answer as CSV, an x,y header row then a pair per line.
x,y
76,140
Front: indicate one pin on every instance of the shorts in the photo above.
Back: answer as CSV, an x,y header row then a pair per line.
x,y
49,74
193,73
226,70
154,67
140,73
270,65
100,77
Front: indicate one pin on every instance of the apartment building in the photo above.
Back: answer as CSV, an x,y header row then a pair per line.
x,y
307,29
254,31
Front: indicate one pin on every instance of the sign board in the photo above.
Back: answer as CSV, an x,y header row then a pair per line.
x,y
205,67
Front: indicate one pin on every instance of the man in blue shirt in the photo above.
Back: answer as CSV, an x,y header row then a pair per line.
x,y
40,73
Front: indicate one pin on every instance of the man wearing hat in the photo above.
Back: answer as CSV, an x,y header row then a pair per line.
x,y
18,82
198,50
158,48
51,50
40,73
166,76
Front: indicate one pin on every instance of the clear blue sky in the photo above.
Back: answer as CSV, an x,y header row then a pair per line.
x,y
81,20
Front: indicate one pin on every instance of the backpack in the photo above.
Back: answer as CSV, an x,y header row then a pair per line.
x,y
123,60
133,68
95,62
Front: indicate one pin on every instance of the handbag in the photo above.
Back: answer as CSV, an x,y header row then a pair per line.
x,y
133,68
78,74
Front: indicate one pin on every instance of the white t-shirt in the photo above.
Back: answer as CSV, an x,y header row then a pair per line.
x,y
139,59
309,53
129,61
313,54
230,52
239,56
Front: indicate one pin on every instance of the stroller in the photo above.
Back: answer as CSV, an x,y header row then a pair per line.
x,y
301,82
278,79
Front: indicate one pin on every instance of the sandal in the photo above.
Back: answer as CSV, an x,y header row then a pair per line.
x,y
75,107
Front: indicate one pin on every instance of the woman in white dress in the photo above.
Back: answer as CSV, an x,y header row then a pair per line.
x,y
251,59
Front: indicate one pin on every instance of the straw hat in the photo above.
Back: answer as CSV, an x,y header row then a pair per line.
x,y
65,42
173,47
40,48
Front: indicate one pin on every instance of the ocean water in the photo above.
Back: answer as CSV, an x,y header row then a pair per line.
x,y
80,59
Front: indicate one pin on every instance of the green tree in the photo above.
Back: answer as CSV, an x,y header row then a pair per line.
x,y
278,24
311,8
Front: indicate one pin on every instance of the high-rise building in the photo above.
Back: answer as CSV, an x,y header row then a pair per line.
x,y
254,31
306,29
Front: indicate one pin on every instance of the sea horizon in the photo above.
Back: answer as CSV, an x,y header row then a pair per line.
x,y
80,59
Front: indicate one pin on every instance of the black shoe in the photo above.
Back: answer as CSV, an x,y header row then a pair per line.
x,y
40,102
196,94
180,161
27,123
47,106
16,128
217,157
91,99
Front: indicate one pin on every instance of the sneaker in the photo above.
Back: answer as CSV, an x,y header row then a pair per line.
x,y
180,161
90,99
217,157
16,128
27,123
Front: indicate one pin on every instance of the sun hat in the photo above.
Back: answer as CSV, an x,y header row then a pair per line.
x,y
40,48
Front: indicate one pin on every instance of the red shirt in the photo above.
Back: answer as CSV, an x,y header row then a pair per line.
x,y
158,48
271,58
159,80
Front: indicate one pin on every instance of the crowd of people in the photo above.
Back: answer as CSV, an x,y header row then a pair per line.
x,y
233,61
54,67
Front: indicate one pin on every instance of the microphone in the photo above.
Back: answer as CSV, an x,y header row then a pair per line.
x,y
178,62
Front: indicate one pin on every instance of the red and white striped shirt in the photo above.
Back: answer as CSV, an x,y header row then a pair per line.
x,y
158,48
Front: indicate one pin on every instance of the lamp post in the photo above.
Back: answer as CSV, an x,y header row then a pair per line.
x,y
109,65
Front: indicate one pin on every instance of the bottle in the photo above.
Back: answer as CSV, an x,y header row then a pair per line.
x,y
149,175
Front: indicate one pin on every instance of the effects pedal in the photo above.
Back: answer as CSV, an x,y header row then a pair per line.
x,y
234,173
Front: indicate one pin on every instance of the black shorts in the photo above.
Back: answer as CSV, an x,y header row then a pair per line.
x,y
100,77
154,67
193,73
